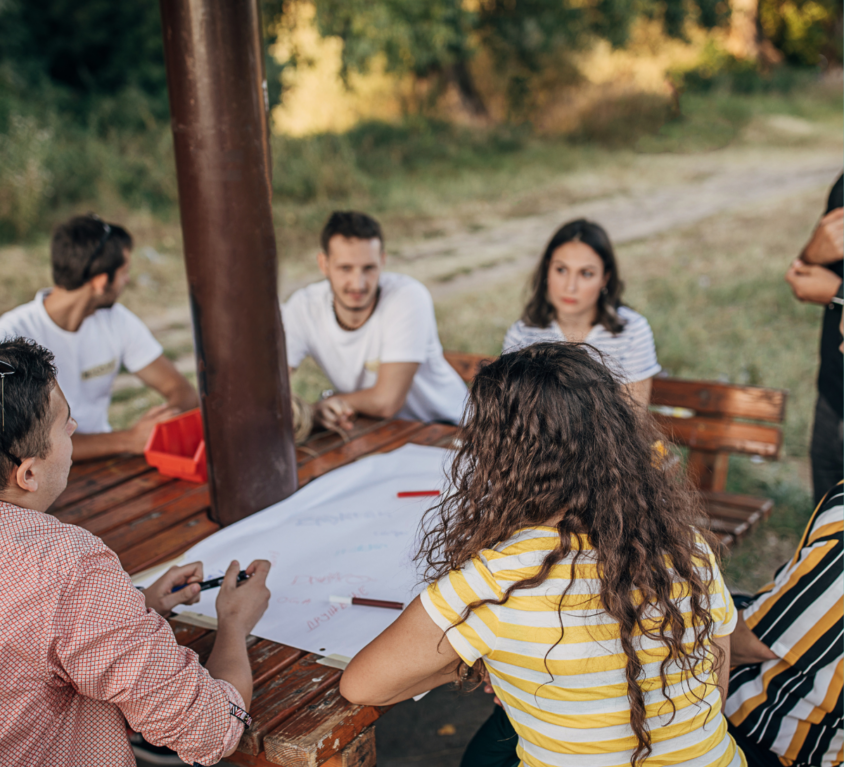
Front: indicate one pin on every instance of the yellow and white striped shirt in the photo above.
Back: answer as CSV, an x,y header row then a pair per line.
x,y
580,715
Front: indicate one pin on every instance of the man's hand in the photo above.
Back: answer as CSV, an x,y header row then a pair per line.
x,y
160,596
827,243
241,607
334,412
138,436
813,283
746,647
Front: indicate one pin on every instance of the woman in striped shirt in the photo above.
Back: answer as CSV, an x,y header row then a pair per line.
x,y
576,296
566,566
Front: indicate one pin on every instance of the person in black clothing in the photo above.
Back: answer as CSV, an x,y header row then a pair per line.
x,y
817,277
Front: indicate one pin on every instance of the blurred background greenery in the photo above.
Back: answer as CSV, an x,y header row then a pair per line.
x,y
455,121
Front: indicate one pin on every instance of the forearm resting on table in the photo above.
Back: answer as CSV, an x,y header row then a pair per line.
x,y
410,657
88,446
387,397
229,661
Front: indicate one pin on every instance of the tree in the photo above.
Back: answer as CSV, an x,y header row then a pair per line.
x,y
80,53
440,37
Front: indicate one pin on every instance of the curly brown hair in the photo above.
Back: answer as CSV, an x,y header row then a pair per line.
x,y
547,430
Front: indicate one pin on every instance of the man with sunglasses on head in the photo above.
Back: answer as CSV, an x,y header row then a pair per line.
x,y
92,336
83,653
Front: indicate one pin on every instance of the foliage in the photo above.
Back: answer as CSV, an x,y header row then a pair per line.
x,y
804,30
93,59
332,166
438,37
718,70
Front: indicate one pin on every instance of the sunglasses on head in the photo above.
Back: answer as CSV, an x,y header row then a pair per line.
x,y
6,369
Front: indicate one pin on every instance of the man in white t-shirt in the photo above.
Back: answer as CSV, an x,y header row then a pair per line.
x,y
373,333
92,336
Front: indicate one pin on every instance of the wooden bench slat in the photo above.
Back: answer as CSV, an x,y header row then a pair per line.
x,y
186,633
324,440
79,471
167,544
723,436
720,399
101,479
318,731
435,434
157,518
387,432
83,511
282,696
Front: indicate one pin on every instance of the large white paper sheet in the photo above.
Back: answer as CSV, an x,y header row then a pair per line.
x,y
346,533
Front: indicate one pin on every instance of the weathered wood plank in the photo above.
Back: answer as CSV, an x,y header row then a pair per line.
x,y
186,633
323,440
318,731
723,436
282,696
167,544
104,503
82,469
387,432
436,434
158,517
102,478
719,399
359,753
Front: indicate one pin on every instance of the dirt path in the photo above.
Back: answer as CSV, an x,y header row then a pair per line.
x,y
641,206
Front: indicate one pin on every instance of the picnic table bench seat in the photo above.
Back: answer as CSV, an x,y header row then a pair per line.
x,y
712,420
299,716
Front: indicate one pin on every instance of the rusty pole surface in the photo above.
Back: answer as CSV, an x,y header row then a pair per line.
x,y
215,76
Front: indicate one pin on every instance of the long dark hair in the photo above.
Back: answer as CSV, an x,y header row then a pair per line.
x,y
548,429
539,312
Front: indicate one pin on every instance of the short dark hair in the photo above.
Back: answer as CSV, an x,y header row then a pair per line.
x,y
76,241
26,400
539,312
350,223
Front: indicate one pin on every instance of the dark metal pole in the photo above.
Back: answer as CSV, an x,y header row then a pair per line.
x,y
215,76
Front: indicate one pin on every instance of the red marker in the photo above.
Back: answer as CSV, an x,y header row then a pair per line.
x,y
416,493
366,602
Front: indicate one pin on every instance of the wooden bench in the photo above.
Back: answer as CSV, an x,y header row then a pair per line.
x,y
712,420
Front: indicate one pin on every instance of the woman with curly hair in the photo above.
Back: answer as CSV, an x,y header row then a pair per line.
x,y
565,564
576,296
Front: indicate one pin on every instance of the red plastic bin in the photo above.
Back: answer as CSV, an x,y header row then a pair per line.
x,y
177,447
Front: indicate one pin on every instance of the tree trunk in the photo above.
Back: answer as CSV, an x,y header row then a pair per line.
x,y
458,74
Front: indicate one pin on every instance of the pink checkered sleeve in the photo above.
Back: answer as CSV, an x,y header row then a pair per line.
x,y
111,648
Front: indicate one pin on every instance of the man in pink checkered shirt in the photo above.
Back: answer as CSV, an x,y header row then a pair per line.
x,y
84,654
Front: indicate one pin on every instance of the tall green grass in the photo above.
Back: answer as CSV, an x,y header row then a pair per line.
x,y
123,154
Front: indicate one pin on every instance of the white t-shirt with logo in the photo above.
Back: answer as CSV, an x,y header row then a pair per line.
x,y
403,328
89,359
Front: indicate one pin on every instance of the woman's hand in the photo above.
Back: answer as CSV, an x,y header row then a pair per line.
x,y
160,595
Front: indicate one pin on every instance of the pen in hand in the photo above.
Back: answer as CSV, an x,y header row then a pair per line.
x,y
213,583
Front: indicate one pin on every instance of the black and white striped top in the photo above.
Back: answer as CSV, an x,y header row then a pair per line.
x,y
632,350
793,707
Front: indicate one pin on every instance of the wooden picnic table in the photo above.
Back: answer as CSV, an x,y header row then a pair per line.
x,y
299,717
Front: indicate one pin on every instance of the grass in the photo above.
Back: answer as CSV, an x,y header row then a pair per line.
x,y
713,292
